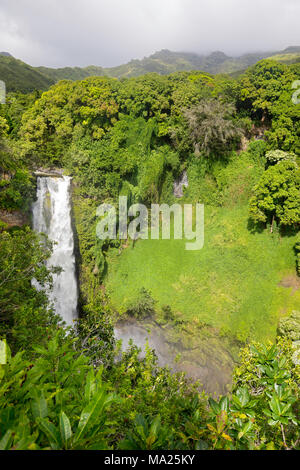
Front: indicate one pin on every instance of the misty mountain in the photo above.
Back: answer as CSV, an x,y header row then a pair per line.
x,y
22,77
165,62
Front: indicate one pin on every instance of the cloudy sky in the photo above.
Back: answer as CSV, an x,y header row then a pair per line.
x,y
110,32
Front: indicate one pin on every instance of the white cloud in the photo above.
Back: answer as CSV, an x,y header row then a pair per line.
x,y
110,32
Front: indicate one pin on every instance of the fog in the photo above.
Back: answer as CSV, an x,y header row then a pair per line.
x,y
110,32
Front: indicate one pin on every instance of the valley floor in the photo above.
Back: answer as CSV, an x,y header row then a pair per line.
x,y
233,290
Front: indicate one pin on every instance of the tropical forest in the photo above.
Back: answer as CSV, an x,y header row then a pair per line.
x,y
124,343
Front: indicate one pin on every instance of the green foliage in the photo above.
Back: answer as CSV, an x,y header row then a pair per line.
x,y
262,85
143,306
290,326
102,166
58,401
152,174
212,129
236,180
17,190
297,251
276,156
23,310
95,334
74,389
277,195
147,434
266,91
15,106
68,110
36,399
272,378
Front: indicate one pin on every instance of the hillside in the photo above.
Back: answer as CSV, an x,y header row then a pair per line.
x,y
163,62
20,76
72,73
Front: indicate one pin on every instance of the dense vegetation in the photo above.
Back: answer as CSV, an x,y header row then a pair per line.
x,y
238,140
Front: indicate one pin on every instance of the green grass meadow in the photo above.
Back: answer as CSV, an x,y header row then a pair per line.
x,y
232,284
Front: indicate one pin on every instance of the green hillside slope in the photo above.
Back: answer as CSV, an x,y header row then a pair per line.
x,y
19,76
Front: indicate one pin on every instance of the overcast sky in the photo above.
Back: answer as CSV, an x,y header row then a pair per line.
x,y
111,32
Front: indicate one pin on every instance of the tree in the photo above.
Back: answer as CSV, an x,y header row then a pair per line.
x,y
263,84
266,91
212,128
5,154
66,111
23,310
277,195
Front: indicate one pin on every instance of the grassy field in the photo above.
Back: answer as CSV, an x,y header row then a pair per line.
x,y
232,284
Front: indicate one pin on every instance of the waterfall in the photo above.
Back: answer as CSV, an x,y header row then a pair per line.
x,y
52,216
179,184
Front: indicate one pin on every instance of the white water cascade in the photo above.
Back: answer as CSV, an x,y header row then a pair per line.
x,y
52,216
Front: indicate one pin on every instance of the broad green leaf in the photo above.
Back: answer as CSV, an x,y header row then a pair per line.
x,y
214,405
246,428
271,422
284,420
65,428
6,440
4,352
243,395
221,420
91,413
155,426
51,432
275,404
224,403
90,386
39,408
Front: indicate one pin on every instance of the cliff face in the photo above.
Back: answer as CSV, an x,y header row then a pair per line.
x,y
14,218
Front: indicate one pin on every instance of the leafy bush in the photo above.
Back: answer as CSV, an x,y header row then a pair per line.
x,y
277,195
36,400
290,326
143,306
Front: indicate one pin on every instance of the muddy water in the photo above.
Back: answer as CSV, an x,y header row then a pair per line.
x,y
205,358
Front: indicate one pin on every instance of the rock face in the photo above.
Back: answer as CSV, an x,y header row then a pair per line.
x,y
14,218
179,184
49,172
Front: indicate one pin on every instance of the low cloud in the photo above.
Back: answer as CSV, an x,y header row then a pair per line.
x,y
101,32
